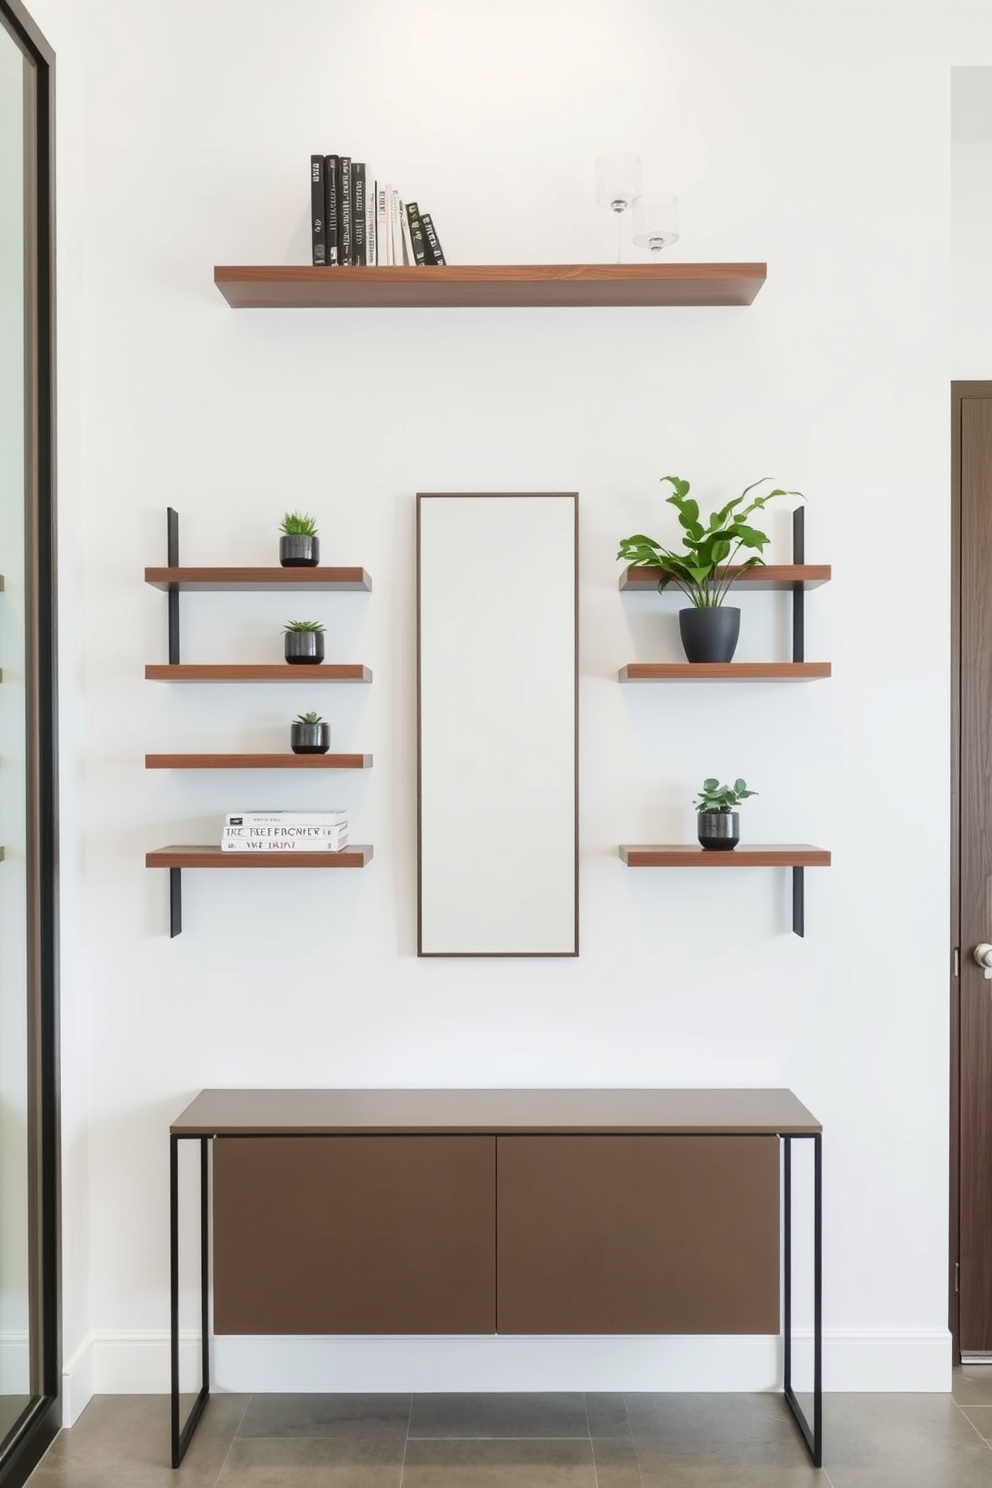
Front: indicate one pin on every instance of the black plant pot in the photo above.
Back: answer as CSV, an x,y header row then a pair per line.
x,y
710,634
304,647
299,550
310,738
718,831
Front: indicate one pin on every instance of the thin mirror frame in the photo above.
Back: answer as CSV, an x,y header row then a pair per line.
x,y
570,496
26,1443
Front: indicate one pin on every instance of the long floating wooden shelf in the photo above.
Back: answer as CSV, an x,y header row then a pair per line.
x,y
767,576
458,285
258,762
302,580
277,672
724,671
690,855
203,856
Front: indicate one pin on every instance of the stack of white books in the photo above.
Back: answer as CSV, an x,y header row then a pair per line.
x,y
285,831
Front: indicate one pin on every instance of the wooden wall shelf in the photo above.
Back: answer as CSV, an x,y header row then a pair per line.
x,y
258,762
186,580
274,672
690,855
459,285
205,856
769,576
797,856
725,671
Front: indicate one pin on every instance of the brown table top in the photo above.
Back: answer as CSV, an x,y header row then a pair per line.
x,y
357,1112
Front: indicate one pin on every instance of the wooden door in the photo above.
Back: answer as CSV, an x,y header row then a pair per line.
x,y
368,1234
971,1125
637,1234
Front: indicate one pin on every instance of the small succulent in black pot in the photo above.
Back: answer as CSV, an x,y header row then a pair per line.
x,y
299,546
717,823
304,642
309,734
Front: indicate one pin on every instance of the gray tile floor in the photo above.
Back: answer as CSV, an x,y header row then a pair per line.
x,y
531,1441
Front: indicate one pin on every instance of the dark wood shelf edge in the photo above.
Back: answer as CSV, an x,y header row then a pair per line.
x,y
203,855
778,576
258,762
299,286
264,672
271,579
731,671
676,855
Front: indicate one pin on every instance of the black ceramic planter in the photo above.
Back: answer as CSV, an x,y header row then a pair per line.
x,y
310,738
718,831
710,634
299,550
304,647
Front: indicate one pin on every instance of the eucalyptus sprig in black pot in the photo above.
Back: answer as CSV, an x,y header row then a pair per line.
x,y
304,642
718,825
309,734
706,568
299,546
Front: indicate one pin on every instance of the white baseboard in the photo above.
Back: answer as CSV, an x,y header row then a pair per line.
x,y
77,1382
138,1363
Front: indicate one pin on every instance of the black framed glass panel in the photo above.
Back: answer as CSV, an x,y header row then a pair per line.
x,y
29,1372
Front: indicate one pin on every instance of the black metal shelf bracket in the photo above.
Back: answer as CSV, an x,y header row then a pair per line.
x,y
798,592
172,549
798,902
175,902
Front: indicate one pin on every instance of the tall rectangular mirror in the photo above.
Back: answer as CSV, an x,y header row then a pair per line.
x,y
497,722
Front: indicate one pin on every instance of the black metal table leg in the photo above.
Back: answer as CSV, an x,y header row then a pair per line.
x,y
181,1435
812,1435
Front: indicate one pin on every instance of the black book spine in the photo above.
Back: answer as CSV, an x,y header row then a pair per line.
x,y
345,248
416,233
358,244
437,255
331,212
318,225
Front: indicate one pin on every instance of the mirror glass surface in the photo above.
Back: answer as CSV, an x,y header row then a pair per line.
x,y
15,1227
498,718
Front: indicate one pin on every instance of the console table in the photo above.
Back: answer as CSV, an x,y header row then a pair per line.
x,y
379,1211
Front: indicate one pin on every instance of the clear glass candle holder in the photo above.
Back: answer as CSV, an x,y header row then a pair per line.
x,y
618,182
656,221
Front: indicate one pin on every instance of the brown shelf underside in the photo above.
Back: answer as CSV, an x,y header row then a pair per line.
x,y
454,285
690,855
257,579
275,672
258,762
205,856
724,671
768,576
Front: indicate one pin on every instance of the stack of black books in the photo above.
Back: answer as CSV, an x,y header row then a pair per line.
x,y
357,220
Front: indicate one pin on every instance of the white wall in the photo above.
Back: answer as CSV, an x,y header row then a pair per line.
x,y
971,223
189,135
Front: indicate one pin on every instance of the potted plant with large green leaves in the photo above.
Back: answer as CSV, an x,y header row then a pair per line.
x,y
707,566
718,825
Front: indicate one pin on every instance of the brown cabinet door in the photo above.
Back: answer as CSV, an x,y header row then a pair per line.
x,y
638,1234
354,1234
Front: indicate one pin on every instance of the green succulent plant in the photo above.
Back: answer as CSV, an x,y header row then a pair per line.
x,y
296,522
308,718
307,625
717,797
701,571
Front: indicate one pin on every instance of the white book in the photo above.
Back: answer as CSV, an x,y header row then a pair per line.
x,y
328,844
382,235
407,239
284,818
296,832
395,228
371,199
